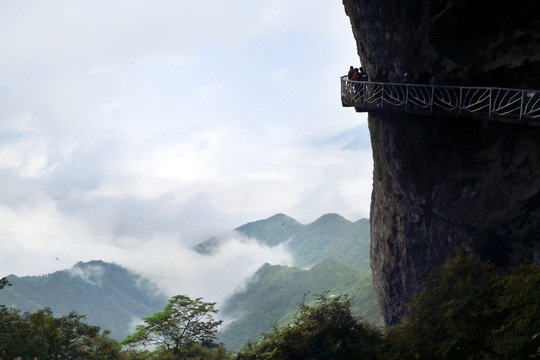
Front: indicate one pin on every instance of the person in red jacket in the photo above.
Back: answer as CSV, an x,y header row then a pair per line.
x,y
350,74
355,75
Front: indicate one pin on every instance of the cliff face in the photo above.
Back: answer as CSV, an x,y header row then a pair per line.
x,y
445,184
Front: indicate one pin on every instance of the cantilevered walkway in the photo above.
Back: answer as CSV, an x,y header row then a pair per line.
x,y
498,104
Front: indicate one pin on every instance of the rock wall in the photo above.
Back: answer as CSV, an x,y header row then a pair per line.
x,y
447,184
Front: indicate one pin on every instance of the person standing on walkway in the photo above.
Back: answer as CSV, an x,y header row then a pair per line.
x,y
363,75
350,74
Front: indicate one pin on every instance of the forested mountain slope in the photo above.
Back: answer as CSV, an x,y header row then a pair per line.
x,y
274,292
110,295
336,250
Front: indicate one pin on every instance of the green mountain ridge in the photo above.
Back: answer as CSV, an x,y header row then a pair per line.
x,y
110,295
331,235
272,231
274,292
336,250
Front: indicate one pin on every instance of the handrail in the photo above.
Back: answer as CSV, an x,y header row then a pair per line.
x,y
492,103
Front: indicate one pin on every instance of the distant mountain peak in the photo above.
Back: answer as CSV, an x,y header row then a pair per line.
x,y
331,217
271,231
328,236
91,272
285,220
279,216
92,263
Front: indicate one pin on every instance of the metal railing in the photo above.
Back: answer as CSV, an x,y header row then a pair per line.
x,y
492,103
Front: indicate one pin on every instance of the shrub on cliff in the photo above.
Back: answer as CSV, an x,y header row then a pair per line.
x,y
470,310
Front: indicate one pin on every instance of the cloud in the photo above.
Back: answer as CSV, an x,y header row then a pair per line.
x,y
91,274
132,130
26,155
181,270
176,268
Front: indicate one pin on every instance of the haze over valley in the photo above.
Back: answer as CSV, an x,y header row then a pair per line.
x,y
328,255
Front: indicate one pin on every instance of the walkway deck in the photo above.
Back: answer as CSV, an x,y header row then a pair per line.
x,y
497,104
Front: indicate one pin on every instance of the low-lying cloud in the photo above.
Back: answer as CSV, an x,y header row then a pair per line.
x,y
91,274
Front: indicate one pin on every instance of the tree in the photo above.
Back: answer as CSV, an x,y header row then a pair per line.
x,y
182,324
13,333
325,330
4,282
67,337
40,335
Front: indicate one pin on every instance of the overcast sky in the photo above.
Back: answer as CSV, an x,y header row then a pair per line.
x,y
131,130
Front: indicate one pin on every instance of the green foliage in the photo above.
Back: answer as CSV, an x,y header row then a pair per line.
x,y
518,304
273,294
470,310
451,315
178,329
325,330
196,352
202,352
13,332
40,335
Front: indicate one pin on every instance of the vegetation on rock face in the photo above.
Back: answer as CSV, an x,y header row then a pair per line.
x,y
470,310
